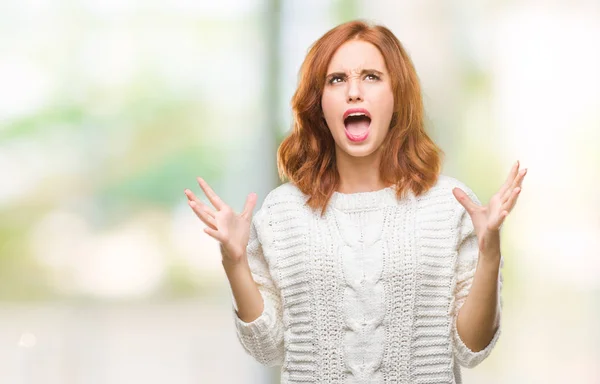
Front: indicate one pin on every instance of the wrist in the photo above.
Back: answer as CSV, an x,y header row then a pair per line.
x,y
489,249
489,242
232,257
234,264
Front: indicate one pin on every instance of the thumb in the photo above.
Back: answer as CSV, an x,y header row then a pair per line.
x,y
463,199
250,204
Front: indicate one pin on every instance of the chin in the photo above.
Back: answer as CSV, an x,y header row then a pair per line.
x,y
359,150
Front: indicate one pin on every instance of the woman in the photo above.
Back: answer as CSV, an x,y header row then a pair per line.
x,y
368,265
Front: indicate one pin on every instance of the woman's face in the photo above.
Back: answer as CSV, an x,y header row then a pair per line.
x,y
357,100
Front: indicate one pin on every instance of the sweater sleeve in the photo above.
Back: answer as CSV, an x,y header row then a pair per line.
x,y
466,264
262,338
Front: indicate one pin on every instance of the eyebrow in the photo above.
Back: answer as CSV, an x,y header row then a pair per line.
x,y
364,71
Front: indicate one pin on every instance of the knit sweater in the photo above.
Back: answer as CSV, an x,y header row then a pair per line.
x,y
369,293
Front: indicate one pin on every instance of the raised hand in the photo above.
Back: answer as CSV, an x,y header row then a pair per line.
x,y
230,229
487,219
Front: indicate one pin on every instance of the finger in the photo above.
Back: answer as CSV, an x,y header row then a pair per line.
x,y
202,215
501,218
511,176
498,223
516,183
464,199
250,204
212,196
208,220
512,200
214,234
191,197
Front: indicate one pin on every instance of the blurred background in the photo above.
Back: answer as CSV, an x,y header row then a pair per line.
x,y
110,109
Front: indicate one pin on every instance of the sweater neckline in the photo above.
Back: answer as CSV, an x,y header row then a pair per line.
x,y
363,201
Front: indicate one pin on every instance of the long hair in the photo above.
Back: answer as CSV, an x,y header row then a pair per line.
x,y
410,159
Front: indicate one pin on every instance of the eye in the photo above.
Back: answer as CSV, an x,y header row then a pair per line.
x,y
372,76
334,79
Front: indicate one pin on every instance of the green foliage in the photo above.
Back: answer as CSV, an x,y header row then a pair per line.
x,y
21,277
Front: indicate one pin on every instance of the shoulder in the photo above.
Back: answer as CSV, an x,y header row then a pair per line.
x,y
285,200
441,215
441,192
447,183
438,204
286,193
282,218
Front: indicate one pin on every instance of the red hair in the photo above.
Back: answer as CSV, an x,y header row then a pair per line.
x,y
410,159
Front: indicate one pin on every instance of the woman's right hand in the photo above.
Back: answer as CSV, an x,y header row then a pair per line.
x,y
230,229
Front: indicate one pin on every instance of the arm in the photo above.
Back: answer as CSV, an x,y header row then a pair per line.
x,y
479,317
257,303
477,296
476,327
246,296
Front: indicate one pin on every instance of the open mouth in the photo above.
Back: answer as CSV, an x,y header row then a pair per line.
x,y
357,126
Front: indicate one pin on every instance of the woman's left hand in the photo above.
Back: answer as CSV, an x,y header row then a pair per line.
x,y
487,219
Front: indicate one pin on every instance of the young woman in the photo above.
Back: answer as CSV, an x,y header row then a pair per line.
x,y
368,265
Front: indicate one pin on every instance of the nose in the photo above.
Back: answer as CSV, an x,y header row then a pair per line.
x,y
354,90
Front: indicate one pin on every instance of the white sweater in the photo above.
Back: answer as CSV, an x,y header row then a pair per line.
x,y
367,294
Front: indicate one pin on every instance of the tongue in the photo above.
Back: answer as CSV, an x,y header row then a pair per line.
x,y
357,127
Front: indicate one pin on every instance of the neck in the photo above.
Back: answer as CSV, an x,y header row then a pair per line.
x,y
359,174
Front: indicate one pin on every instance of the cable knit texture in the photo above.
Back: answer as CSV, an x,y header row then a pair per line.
x,y
369,293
